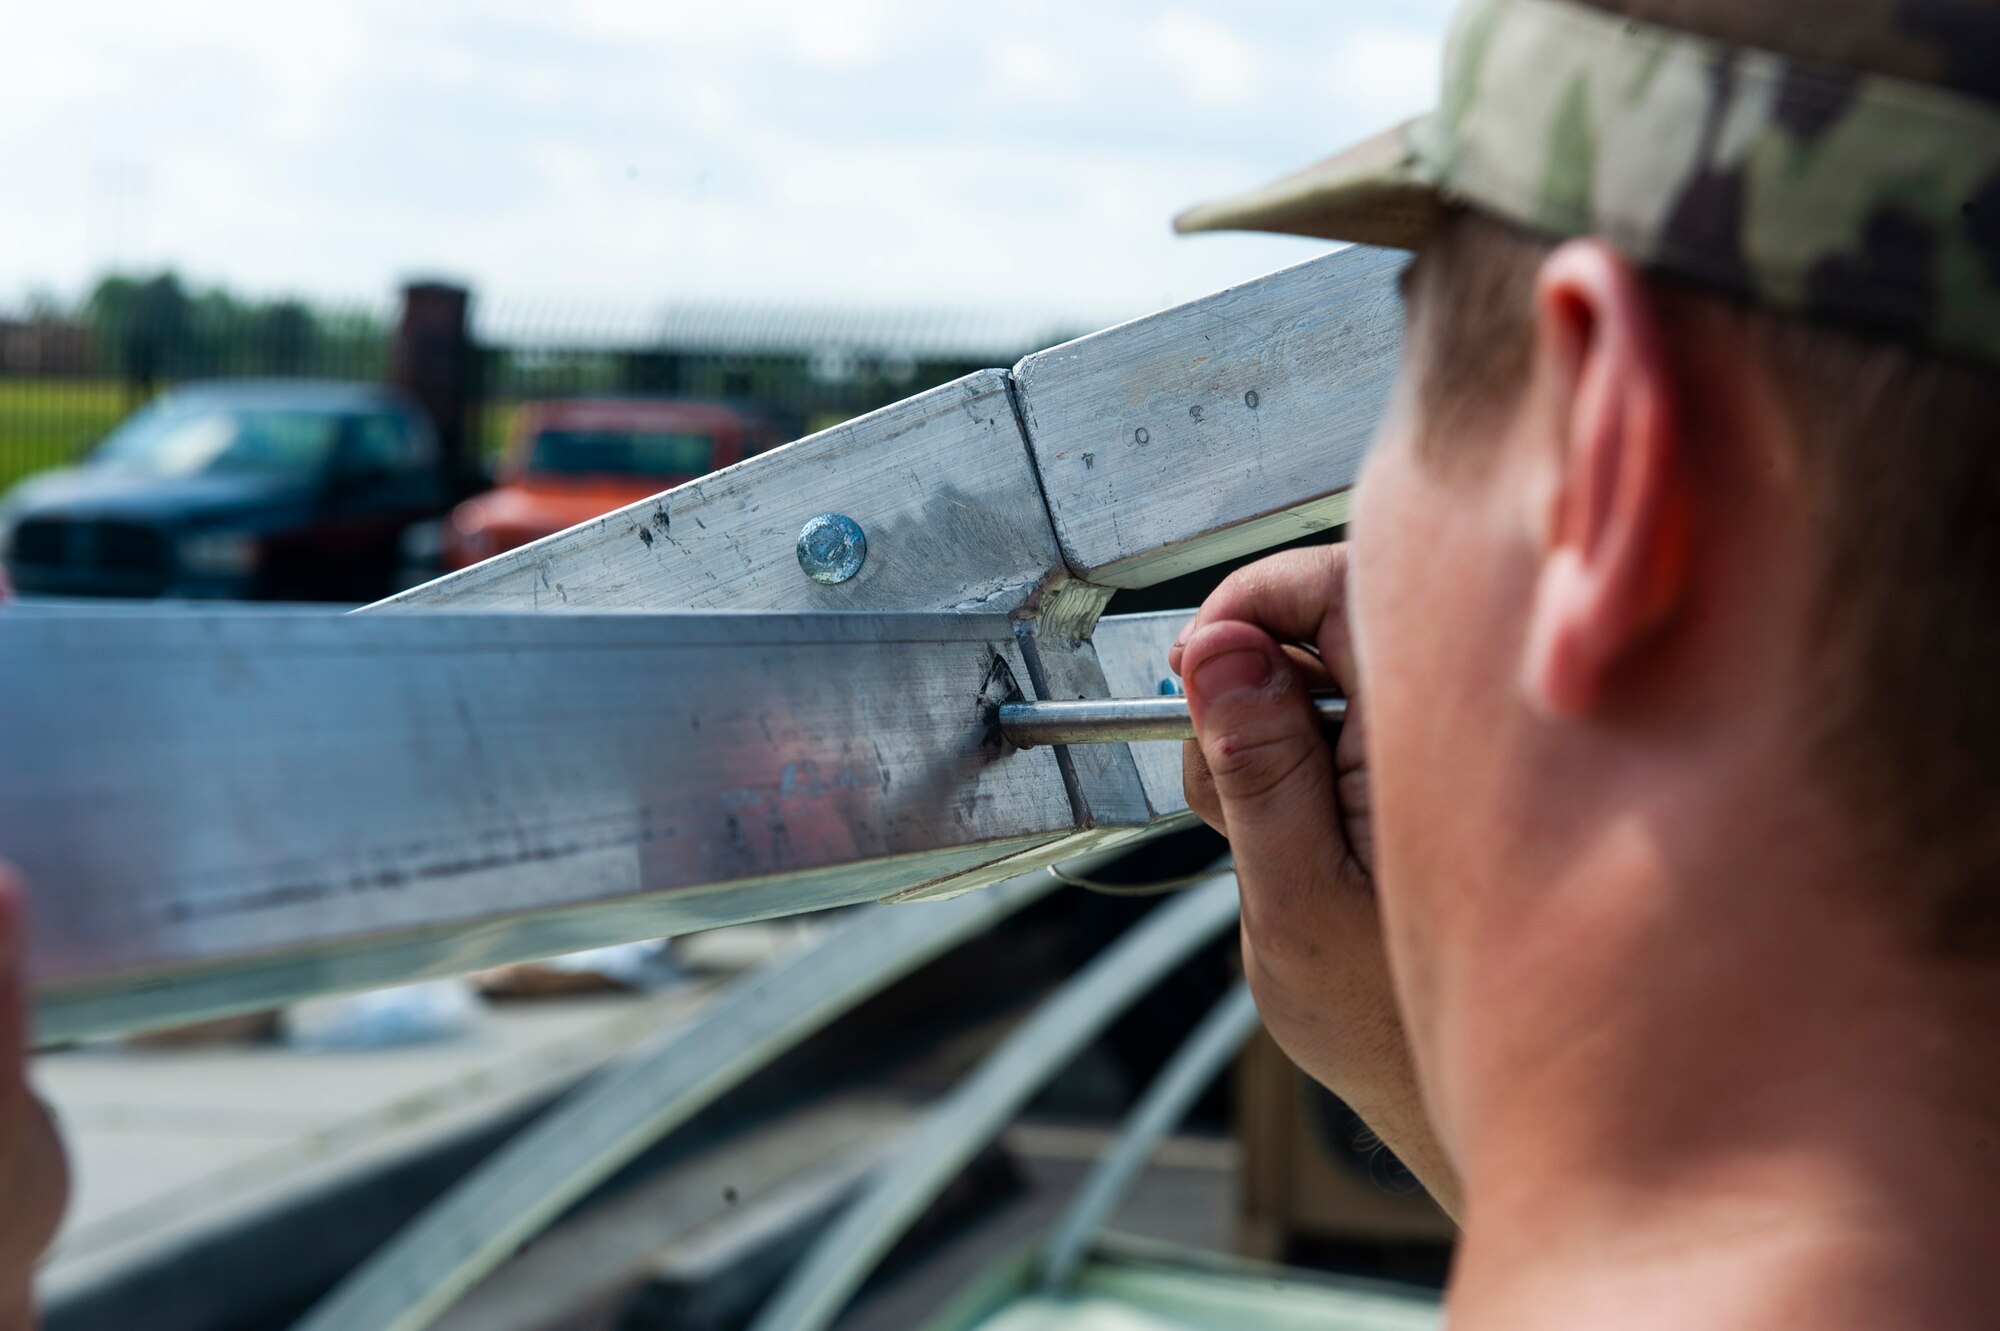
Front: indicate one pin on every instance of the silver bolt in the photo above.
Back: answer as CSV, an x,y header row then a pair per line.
x,y
832,548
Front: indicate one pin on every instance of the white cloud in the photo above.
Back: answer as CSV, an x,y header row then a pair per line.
x,y
1207,59
840,34
630,151
1388,74
1034,70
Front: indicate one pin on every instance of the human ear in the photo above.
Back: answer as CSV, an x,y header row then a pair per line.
x,y
1614,555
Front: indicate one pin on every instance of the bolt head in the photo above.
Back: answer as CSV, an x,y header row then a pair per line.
x,y
832,548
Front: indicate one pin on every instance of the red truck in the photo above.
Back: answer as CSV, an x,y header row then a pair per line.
x,y
570,460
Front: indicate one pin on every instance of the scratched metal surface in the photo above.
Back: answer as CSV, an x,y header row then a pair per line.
x,y
1153,458
940,484
217,809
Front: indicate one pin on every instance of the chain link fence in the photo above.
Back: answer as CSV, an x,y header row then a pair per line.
x,y
68,376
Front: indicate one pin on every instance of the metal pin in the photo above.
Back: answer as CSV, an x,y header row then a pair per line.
x,y
1119,720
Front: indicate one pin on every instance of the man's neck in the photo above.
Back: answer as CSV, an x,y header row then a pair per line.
x,y
1747,1123
1720,1270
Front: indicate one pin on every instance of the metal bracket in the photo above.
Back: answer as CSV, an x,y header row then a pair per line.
x,y
1103,780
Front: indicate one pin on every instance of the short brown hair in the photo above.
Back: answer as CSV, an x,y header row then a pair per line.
x,y
1904,452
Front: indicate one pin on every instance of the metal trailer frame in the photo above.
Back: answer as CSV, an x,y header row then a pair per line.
x,y
467,1233
617,1113
1196,1064
815,1290
227,810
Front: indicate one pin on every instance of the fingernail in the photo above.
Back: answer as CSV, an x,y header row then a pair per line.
x,y
1241,671
1180,639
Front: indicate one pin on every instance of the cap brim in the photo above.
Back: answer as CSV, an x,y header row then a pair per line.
x,y
1376,193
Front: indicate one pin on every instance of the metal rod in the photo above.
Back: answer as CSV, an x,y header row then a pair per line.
x,y
1118,720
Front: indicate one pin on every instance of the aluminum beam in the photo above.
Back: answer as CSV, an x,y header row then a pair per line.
x,y
1183,439
940,484
1217,428
218,810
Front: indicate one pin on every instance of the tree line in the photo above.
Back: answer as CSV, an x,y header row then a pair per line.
x,y
152,328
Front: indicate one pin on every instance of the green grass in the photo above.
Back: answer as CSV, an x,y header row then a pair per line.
x,y
493,428
49,422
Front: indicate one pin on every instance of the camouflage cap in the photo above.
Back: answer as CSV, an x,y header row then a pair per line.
x,y
1853,197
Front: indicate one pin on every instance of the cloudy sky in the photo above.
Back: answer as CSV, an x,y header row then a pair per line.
x,y
621,153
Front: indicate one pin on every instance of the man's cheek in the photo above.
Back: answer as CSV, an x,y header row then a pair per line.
x,y
1395,568
1377,562
1364,530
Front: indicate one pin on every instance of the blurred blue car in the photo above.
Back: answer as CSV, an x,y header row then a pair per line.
x,y
261,490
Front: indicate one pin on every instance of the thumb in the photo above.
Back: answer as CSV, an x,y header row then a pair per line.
x,y
1270,760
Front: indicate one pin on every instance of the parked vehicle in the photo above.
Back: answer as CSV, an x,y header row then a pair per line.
x,y
574,459
269,490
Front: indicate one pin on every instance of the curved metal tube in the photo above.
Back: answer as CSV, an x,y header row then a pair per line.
x,y
1166,1102
984,1103
639,1098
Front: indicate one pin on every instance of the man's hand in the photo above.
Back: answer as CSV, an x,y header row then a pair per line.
x,y
34,1179
1295,810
